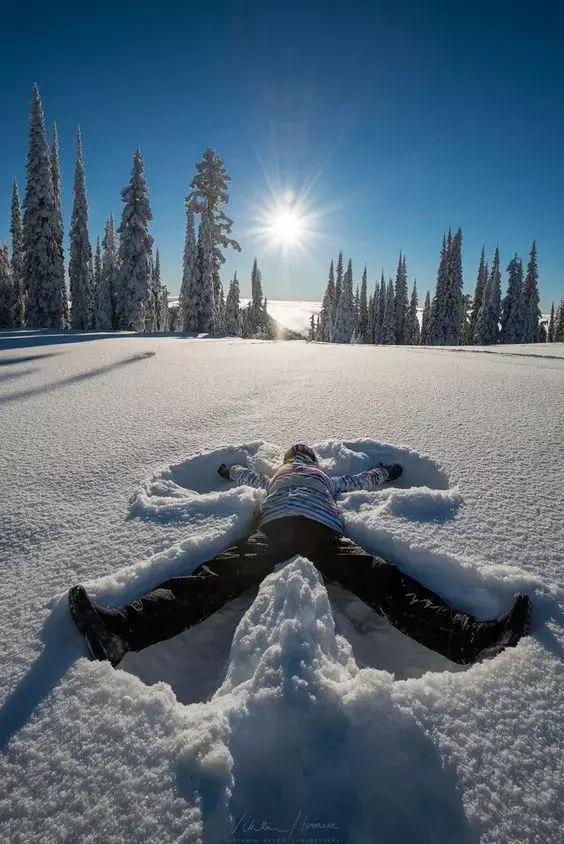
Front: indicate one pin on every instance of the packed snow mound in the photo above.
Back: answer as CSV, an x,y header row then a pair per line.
x,y
293,694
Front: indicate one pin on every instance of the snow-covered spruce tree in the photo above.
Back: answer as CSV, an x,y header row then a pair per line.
x,y
326,316
19,297
412,323
233,309
465,325
481,280
257,311
56,179
487,326
189,301
550,332
104,309
454,311
356,301
363,310
45,305
209,192
425,318
388,331
6,289
206,305
447,308
531,312
164,310
543,333
400,301
436,329
512,305
156,290
80,249
380,309
559,323
370,324
338,280
344,326
135,245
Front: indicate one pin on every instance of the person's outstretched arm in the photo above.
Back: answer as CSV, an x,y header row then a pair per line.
x,y
243,476
371,479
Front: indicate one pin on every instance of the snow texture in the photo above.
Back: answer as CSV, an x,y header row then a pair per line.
x,y
294,708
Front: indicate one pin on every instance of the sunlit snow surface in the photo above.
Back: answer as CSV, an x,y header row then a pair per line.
x,y
281,712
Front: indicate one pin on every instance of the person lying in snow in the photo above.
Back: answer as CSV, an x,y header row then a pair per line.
x,y
298,516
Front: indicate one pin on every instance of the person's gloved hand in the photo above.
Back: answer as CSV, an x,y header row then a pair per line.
x,y
223,472
394,471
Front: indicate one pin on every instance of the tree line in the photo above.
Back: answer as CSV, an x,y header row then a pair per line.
x,y
389,315
117,284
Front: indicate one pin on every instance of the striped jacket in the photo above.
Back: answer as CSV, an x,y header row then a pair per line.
x,y
301,488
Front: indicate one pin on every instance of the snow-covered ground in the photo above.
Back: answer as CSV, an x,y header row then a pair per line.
x,y
296,714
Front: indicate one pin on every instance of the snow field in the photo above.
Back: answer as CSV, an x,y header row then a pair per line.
x,y
282,710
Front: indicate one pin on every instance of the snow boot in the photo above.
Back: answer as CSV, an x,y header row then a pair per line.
x,y
104,629
505,631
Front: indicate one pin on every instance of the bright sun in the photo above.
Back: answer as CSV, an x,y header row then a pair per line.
x,y
286,227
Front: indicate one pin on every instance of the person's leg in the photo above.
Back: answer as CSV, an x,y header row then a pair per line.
x,y
417,611
176,604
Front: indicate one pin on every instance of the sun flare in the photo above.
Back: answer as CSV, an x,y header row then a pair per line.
x,y
286,226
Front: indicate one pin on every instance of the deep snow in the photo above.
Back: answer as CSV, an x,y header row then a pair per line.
x,y
297,708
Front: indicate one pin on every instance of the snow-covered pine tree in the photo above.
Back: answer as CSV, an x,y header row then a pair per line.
x,y
326,316
338,280
219,305
80,249
465,327
311,329
343,329
356,313
454,302
108,271
164,310
206,305
45,305
135,246
436,329
487,326
363,310
189,292
370,322
481,280
257,313
156,290
550,332
96,281
19,297
531,312
559,323
412,322
56,178
6,289
512,304
400,301
425,317
543,333
209,192
380,306
388,331
233,309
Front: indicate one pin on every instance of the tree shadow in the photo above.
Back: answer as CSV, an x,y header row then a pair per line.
x,y
14,361
21,395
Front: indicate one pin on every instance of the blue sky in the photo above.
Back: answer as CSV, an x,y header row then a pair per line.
x,y
401,119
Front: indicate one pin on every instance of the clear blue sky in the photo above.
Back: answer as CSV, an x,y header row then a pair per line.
x,y
411,116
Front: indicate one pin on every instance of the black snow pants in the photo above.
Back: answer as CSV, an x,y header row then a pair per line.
x,y
181,602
